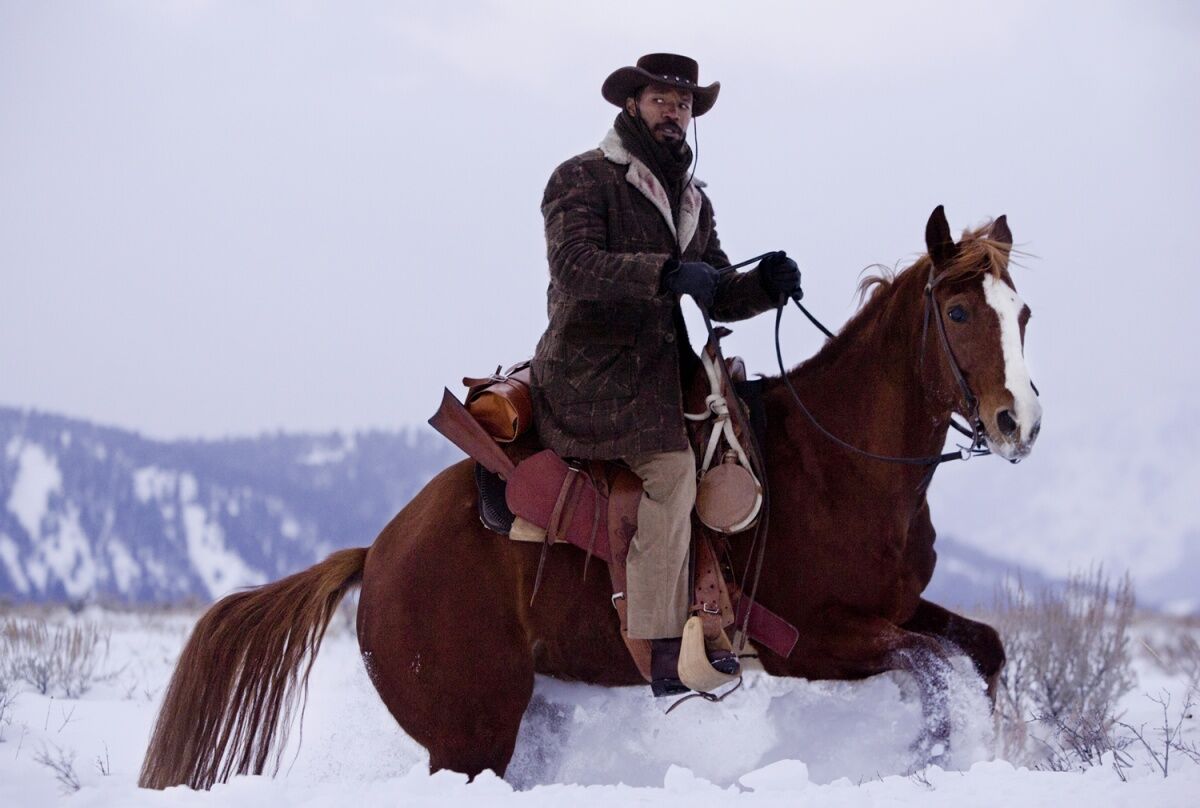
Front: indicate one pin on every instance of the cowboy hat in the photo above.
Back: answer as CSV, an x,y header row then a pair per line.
x,y
661,68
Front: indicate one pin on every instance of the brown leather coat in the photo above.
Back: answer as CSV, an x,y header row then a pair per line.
x,y
606,379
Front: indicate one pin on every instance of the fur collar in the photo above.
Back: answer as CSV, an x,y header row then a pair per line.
x,y
641,177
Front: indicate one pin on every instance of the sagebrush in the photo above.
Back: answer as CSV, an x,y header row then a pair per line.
x,y
1069,663
7,695
61,763
1179,656
60,660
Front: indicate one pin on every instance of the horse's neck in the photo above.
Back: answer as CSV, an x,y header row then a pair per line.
x,y
867,387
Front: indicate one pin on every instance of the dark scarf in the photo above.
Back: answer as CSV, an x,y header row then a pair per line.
x,y
669,162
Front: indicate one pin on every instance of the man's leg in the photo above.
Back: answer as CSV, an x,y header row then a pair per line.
x,y
657,585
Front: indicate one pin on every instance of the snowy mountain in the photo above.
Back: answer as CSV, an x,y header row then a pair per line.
x,y
93,513
1123,497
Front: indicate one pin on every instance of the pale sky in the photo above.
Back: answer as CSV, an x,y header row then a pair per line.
x,y
219,217
225,218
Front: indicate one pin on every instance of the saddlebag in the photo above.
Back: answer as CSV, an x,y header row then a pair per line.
x,y
501,403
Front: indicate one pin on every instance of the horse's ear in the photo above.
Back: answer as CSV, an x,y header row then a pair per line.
x,y
1000,232
938,240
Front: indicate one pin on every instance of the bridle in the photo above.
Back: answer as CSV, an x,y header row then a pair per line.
x,y
977,434
978,445
969,398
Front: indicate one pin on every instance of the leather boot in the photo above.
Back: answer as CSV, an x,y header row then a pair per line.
x,y
725,661
664,667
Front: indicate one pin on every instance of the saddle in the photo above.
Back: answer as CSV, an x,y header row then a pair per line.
x,y
532,494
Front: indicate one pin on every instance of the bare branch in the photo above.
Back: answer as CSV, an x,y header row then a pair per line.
x,y
62,764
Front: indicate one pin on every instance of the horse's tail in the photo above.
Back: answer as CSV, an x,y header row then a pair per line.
x,y
235,683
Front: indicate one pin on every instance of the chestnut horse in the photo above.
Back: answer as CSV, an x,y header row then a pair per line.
x,y
445,624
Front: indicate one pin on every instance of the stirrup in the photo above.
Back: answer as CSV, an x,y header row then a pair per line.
x,y
695,670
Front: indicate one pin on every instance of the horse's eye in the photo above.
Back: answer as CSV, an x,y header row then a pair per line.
x,y
958,314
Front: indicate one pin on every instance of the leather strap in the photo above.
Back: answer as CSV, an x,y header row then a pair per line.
x,y
597,477
766,627
555,526
564,507
712,602
472,382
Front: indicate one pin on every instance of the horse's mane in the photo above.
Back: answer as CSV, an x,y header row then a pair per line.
x,y
976,255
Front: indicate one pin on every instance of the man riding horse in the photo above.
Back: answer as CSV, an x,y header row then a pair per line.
x,y
447,629
628,232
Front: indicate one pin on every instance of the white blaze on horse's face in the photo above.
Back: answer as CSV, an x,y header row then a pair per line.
x,y
1026,410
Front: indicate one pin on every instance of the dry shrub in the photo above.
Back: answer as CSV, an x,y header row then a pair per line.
x,y
1069,664
61,764
1178,656
7,696
60,659
1170,732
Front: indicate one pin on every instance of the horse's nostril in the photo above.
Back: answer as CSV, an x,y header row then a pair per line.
x,y
1006,423
1033,433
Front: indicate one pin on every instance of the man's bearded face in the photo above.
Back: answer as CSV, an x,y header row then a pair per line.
x,y
667,111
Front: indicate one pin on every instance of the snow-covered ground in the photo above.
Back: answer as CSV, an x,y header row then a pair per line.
x,y
773,742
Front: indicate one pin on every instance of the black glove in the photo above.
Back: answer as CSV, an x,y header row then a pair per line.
x,y
694,278
779,275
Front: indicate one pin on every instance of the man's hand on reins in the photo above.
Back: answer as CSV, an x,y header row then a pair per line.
x,y
779,275
694,278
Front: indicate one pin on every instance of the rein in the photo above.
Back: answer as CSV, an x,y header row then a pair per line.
x,y
977,448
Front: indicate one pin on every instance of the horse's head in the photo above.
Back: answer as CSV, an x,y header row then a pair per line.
x,y
984,324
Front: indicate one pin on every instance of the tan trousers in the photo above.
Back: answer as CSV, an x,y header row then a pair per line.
x,y
656,590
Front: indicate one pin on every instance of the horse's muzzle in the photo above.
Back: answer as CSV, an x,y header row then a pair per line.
x,y
1011,445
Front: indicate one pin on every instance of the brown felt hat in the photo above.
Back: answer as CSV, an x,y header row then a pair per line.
x,y
661,68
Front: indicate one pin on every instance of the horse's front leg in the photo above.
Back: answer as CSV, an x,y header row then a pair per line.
x,y
858,646
978,641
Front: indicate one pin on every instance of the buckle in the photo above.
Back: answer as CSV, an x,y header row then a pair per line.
x,y
617,596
